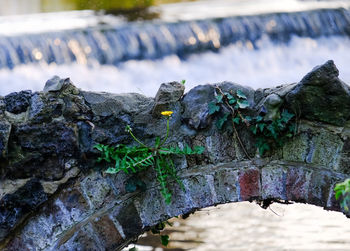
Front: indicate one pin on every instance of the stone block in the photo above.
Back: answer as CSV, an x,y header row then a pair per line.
x,y
297,183
249,184
320,186
83,239
151,207
199,191
107,233
180,203
273,183
225,183
97,190
129,219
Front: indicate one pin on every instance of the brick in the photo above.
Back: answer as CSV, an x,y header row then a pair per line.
x,y
297,184
108,234
225,182
83,239
319,188
273,183
249,184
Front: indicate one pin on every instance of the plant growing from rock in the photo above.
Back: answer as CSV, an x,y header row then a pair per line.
x,y
269,134
342,192
134,159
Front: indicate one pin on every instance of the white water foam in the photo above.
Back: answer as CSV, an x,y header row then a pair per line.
x,y
269,66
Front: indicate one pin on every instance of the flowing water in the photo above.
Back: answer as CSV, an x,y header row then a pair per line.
x,y
259,43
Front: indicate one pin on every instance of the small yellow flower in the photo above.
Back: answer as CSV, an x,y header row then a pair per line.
x,y
167,113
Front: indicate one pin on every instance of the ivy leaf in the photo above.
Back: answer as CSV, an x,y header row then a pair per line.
x,y
258,118
254,129
261,126
236,120
213,108
286,116
243,103
232,100
221,121
165,240
241,95
228,95
219,98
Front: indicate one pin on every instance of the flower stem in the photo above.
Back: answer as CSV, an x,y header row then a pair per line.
x,y
167,132
138,141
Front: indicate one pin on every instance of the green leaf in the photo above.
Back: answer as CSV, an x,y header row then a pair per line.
x,y
183,82
286,116
258,118
243,103
165,240
261,126
219,98
199,149
232,101
213,108
338,194
111,170
236,120
241,95
221,121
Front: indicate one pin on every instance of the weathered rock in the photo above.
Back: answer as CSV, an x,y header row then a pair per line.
x,y
167,95
107,104
5,129
195,102
321,96
13,207
272,104
18,102
56,141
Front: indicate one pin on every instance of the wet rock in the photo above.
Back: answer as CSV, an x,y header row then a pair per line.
x,y
14,207
195,103
167,95
321,96
18,102
5,129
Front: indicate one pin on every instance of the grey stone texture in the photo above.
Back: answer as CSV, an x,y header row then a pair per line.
x,y
55,195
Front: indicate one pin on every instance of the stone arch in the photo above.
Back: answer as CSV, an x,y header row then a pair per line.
x,y
54,196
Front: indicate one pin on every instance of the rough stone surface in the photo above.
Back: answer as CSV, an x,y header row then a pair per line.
x,y
14,207
167,95
54,195
5,129
321,96
18,102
